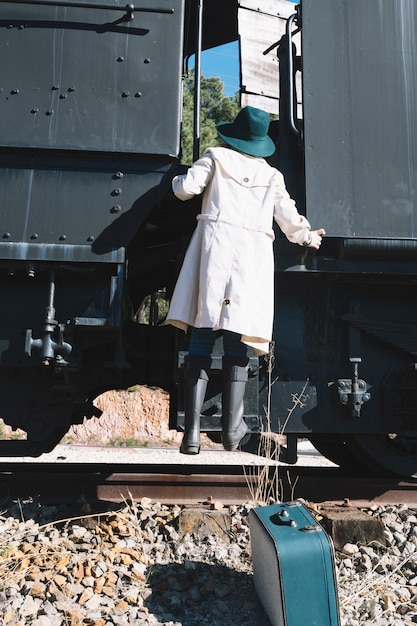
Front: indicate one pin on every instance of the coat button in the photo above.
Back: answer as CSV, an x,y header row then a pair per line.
x,y
227,301
246,180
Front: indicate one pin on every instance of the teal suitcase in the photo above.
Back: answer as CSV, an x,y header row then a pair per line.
x,y
293,566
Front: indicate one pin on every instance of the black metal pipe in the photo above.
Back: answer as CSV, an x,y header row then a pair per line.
x,y
197,81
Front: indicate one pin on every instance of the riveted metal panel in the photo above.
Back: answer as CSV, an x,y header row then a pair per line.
x,y
76,77
76,200
360,116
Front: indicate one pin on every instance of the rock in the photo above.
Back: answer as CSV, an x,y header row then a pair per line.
x,y
204,522
155,565
139,414
350,548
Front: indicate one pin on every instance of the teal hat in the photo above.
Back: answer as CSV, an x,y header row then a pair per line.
x,y
248,133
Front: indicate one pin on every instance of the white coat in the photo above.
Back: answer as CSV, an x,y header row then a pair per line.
x,y
227,278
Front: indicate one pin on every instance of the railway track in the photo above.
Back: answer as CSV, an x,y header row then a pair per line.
x,y
196,484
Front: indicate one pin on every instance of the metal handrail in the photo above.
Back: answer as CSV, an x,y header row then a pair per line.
x,y
291,118
197,81
129,8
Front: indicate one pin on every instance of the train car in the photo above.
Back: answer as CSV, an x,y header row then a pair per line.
x,y
345,372
90,138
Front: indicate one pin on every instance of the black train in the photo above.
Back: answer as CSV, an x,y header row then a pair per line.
x,y
90,121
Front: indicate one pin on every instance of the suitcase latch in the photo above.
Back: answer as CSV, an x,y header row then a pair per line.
x,y
310,528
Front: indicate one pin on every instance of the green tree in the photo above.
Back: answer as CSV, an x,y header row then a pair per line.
x,y
215,108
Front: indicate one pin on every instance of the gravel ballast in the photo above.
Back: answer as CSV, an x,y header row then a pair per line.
x,y
136,566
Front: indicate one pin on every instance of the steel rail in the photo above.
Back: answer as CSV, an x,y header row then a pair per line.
x,y
173,484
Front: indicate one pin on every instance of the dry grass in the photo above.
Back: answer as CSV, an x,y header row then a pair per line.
x,y
43,559
371,594
265,482
377,591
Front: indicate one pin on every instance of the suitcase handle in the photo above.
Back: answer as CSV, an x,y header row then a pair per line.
x,y
279,519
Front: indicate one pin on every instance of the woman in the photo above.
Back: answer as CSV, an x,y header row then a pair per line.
x,y
227,278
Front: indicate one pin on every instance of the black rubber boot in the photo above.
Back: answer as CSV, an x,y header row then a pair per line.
x,y
196,376
235,377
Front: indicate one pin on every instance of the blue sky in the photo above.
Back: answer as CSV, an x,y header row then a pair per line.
x,y
224,62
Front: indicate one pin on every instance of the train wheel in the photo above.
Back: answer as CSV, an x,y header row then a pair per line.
x,y
387,455
214,436
335,449
250,443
